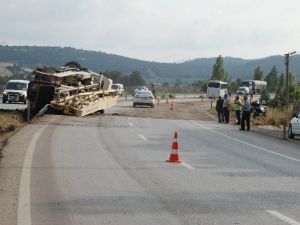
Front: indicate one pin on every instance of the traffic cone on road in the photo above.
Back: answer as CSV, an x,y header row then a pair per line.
x,y
172,106
174,156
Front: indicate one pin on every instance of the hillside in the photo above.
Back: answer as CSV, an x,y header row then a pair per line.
x,y
189,71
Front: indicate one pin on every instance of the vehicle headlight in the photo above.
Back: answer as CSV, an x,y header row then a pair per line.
x,y
4,92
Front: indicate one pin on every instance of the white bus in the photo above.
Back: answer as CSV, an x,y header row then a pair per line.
x,y
216,88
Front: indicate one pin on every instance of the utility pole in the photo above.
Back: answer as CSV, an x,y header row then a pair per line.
x,y
287,86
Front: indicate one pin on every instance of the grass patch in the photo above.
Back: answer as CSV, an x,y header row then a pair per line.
x,y
9,122
275,117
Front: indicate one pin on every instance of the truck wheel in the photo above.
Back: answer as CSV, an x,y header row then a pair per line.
x,y
134,105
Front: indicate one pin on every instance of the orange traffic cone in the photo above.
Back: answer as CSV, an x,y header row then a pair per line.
x,y
174,156
172,106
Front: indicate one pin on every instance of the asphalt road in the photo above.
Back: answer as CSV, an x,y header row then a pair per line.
x,y
112,170
11,106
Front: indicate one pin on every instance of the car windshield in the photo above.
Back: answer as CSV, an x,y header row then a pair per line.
x,y
16,86
148,93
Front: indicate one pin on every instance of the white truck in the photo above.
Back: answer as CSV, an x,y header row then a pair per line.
x,y
119,88
251,87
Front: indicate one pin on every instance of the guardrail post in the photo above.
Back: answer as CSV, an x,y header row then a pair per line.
x,y
28,111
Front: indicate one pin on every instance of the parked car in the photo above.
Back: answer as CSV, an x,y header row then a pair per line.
x,y
119,88
15,91
143,98
294,128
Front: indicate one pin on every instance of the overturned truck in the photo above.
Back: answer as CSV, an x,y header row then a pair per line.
x,y
71,90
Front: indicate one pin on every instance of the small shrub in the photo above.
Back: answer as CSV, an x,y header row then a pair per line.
x,y
171,96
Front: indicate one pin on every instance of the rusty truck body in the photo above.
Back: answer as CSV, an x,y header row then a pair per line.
x,y
71,90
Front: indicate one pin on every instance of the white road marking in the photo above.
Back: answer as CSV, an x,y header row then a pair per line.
x,y
143,137
283,217
24,204
246,143
131,124
187,166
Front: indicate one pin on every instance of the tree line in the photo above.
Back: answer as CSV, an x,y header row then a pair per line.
x,y
129,81
275,83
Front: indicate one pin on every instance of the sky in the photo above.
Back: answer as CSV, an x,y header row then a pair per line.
x,y
156,30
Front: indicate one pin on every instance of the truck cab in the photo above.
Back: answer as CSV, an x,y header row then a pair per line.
x,y
242,91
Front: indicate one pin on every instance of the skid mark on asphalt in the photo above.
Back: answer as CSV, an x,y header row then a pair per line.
x,y
246,143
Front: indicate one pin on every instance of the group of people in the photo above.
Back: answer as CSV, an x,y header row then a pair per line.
x,y
242,111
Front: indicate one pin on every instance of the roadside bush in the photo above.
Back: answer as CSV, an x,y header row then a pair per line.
x,y
275,117
171,96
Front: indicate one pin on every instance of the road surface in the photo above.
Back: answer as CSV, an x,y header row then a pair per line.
x,y
12,106
112,170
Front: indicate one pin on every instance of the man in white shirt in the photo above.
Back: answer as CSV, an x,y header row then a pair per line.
x,y
226,104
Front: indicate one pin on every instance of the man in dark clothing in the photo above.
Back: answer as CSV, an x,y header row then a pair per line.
x,y
219,108
226,104
246,114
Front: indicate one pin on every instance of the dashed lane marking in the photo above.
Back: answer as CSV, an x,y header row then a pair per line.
x,y
143,137
187,166
283,217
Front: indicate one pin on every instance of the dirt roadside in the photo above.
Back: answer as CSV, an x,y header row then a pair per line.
x,y
184,109
10,122
188,109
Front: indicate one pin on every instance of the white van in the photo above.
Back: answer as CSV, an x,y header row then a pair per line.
x,y
119,88
15,91
216,88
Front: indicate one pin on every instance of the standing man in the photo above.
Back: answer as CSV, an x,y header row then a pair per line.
x,y
226,108
219,107
246,114
238,109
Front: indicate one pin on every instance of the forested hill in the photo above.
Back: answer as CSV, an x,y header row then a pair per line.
x,y
198,69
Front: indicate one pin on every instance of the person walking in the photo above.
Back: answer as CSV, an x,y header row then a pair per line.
x,y
219,107
238,109
225,108
246,114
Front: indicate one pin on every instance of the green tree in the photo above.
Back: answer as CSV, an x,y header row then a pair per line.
x,y
115,75
203,86
218,70
178,82
294,91
258,74
136,79
279,99
272,80
265,95
165,84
